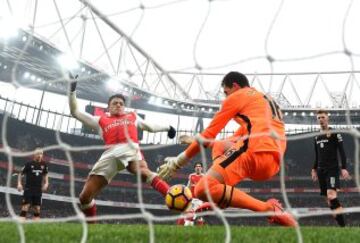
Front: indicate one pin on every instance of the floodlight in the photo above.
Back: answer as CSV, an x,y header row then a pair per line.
x,y
113,85
8,29
68,62
26,75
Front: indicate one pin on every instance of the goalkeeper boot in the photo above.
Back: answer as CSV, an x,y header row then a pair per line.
x,y
281,217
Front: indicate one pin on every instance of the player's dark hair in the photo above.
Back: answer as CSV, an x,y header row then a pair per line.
x,y
321,111
120,96
235,77
198,163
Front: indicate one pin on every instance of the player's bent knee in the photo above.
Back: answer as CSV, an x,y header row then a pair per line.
x,y
25,207
37,209
331,194
205,184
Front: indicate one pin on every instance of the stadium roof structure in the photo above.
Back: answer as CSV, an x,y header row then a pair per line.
x,y
111,53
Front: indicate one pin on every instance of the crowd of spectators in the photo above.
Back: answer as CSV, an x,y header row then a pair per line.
x,y
25,137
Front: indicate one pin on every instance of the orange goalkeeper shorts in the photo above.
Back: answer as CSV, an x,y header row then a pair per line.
x,y
219,147
236,165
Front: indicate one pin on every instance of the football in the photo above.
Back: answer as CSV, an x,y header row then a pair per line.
x,y
178,198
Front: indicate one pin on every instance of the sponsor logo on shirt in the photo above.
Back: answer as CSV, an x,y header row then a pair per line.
x,y
322,141
116,123
37,172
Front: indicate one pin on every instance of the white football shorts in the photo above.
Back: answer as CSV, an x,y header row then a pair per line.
x,y
116,159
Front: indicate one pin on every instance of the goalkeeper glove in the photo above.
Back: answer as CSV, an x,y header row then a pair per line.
x,y
171,133
172,164
73,82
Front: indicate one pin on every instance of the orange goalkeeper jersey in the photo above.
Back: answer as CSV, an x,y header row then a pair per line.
x,y
257,114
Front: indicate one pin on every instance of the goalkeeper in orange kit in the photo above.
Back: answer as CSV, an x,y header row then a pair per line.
x,y
256,150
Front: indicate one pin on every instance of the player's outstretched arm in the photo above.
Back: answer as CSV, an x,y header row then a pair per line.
x,y
171,165
85,118
152,127
186,139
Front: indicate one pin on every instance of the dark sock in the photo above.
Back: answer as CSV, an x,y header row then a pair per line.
x,y
339,217
23,214
340,220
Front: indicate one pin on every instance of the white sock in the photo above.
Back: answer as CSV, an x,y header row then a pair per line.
x,y
150,178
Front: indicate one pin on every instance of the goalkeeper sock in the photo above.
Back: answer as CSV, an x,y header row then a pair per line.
x,y
225,196
160,185
228,196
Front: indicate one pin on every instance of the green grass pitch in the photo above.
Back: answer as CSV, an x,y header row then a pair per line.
x,y
105,233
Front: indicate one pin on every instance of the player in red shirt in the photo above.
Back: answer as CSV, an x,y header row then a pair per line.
x,y
119,131
189,217
195,177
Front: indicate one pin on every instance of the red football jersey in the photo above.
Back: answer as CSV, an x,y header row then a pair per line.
x,y
117,128
193,180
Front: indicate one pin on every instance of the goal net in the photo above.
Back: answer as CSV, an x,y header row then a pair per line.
x,y
168,58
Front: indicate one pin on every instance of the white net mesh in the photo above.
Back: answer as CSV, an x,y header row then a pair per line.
x,y
173,54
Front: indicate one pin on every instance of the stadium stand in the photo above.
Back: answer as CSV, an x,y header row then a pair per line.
x,y
22,136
